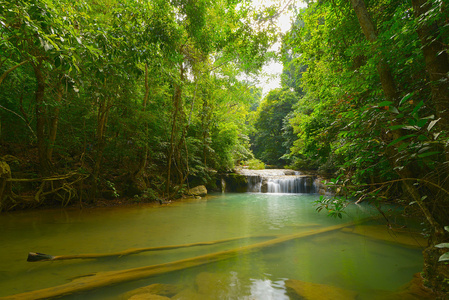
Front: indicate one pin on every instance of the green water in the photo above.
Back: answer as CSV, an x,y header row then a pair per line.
x,y
336,258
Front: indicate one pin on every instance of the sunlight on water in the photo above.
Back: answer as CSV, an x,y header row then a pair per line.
x,y
338,258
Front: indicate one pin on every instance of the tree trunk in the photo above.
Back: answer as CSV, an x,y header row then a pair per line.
x,y
144,154
432,270
45,165
102,117
437,67
54,121
436,59
10,70
176,107
370,32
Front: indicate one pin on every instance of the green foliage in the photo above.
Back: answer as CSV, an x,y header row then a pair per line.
x,y
255,164
334,206
130,87
269,143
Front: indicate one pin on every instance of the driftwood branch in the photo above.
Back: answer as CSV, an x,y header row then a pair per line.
x,y
36,256
102,279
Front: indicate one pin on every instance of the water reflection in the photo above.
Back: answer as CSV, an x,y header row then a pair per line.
x,y
340,258
265,289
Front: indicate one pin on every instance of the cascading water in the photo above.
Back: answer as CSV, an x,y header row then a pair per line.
x,y
291,184
254,183
276,181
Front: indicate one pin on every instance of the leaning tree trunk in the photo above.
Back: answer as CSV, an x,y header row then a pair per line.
x,y
437,67
436,59
432,271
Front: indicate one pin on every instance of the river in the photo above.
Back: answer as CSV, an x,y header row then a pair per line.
x,y
338,258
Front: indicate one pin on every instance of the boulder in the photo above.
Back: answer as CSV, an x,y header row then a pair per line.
x,y
297,289
289,172
264,186
5,170
198,191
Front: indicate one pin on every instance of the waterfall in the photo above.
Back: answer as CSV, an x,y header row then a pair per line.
x,y
254,183
291,184
279,181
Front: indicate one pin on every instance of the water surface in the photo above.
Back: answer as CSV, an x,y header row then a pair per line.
x,y
337,258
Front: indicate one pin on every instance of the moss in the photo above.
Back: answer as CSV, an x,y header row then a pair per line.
x,y
236,182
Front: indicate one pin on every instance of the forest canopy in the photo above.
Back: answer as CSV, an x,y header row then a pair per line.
x,y
129,97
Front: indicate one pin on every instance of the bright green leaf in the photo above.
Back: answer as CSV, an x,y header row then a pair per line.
x,y
444,257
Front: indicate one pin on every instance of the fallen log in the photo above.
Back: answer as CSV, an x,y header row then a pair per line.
x,y
102,279
36,256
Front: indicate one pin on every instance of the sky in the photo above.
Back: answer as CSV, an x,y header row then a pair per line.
x,y
274,69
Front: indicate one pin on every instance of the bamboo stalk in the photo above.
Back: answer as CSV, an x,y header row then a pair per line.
x,y
102,279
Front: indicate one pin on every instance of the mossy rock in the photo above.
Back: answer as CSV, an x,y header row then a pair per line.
x,y
236,183
297,289
198,191
159,289
208,286
212,283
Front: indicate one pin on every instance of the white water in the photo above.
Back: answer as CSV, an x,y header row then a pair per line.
x,y
291,184
279,181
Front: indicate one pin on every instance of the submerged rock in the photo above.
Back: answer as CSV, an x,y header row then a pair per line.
x,y
297,289
158,289
148,296
211,286
414,290
381,232
289,172
198,191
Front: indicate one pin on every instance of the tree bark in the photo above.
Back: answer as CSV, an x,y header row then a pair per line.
x,y
176,107
144,154
370,32
10,70
436,59
436,63
37,257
